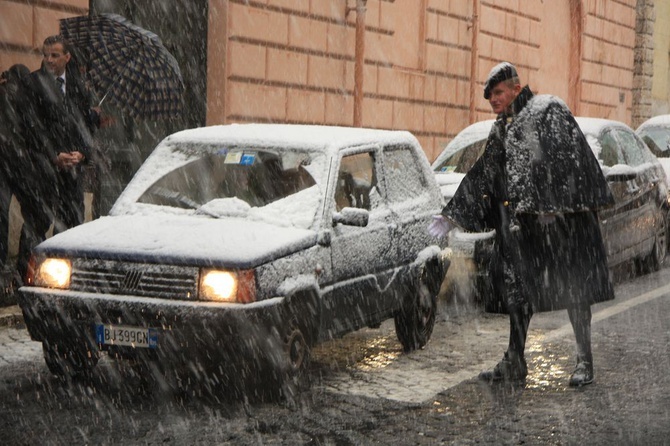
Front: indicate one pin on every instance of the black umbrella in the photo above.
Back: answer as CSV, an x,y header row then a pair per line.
x,y
127,65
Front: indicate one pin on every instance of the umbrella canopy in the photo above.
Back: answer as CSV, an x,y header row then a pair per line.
x,y
127,65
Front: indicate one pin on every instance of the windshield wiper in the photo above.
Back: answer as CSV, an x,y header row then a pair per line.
x,y
173,197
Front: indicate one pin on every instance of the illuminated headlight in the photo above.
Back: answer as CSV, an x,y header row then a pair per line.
x,y
53,273
227,286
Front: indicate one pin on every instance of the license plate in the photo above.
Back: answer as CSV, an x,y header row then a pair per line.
x,y
138,337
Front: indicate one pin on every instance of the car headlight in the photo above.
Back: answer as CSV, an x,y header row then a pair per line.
x,y
53,273
227,286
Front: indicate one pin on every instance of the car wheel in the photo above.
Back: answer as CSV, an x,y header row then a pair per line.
x,y
415,321
656,258
288,381
297,351
68,363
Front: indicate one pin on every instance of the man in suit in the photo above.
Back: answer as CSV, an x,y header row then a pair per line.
x,y
24,170
65,125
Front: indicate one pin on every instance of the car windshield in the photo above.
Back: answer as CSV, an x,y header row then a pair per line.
x,y
463,159
276,185
658,141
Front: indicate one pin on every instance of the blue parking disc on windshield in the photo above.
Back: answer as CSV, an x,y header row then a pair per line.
x,y
247,159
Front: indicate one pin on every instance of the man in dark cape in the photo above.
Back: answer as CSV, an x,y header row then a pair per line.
x,y
539,186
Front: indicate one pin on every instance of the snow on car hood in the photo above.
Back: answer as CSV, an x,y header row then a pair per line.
x,y
449,183
665,162
174,239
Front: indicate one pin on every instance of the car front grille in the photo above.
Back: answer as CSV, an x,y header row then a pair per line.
x,y
135,279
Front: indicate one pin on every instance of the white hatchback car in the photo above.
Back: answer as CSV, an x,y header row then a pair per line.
x,y
236,248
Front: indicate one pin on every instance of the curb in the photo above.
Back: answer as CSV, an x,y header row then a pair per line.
x,y
11,316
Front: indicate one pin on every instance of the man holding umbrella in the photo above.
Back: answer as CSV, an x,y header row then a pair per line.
x,y
65,125
539,186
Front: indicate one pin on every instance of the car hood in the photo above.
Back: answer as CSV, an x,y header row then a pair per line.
x,y
448,183
665,162
182,240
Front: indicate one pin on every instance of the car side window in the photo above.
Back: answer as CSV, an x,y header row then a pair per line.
x,y
635,152
357,182
610,153
463,160
658,141
404,178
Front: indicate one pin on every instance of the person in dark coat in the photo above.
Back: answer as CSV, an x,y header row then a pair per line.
x,y
540,187
24,170
66,121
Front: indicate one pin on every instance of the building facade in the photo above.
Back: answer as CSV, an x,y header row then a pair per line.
x,y
417,65
660,87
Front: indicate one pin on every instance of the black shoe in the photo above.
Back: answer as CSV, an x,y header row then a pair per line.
x,y
582,375
507,369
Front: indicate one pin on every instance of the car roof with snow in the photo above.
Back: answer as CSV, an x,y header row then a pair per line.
x,y
327,138
475,132
656,121
480,131
594,126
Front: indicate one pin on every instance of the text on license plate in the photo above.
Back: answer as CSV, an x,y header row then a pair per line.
x,y
128,336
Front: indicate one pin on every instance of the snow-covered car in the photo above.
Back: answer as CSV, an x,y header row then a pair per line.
x,y
636,228
236,248
459,156
655,132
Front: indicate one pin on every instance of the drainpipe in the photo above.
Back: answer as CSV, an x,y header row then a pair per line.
x,y
575,77
474,61
359,63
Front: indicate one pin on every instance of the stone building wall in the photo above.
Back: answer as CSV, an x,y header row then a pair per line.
x,y
607,62
293,61
425,60
644,62
24,24
660,90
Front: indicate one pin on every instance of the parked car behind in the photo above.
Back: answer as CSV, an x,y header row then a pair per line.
x,y
635,229
655,132
236,248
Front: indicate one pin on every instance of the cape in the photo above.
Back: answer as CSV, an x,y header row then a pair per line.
x,y
537,161
549,164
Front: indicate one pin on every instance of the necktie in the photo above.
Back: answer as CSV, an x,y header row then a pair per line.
x,y
61,84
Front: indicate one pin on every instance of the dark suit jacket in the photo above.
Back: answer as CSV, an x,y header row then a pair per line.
x,y
65,123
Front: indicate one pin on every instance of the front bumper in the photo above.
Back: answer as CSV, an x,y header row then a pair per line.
x,y
200,334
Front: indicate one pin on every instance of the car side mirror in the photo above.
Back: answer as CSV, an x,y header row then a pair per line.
x,y
620,173
351,217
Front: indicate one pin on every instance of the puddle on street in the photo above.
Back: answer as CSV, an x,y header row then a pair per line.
x,y
546,366
380,352
358,351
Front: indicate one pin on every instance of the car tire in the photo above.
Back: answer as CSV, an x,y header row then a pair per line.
x,y
297,351
656,258
288,381
68,363
415,321
301,334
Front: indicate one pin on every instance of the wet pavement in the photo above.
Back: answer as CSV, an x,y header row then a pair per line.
x,y
366,391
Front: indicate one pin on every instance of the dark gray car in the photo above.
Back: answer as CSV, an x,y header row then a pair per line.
x,y
635,229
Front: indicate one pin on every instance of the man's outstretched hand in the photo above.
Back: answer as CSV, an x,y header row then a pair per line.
x,y
440,226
